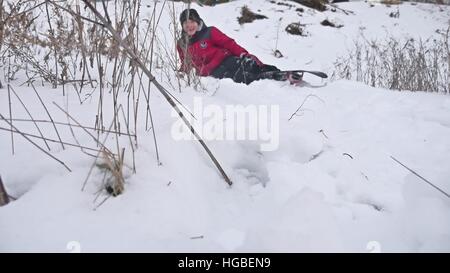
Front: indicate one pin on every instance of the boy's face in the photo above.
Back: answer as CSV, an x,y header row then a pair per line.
x,y
190,27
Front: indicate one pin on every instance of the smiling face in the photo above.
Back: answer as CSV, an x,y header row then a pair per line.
x,y
190,27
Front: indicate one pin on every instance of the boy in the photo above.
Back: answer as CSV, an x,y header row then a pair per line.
x,y
212,53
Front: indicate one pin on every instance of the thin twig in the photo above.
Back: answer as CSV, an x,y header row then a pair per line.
x,y
162,90
347,12
131,141
37,146
348,155
31,117
68,124
418,175
301,105
10,117
103,201
89,133
75,14
48,139
96,157
52,34
48,114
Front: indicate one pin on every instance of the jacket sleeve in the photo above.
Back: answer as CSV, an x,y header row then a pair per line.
x,y
222,40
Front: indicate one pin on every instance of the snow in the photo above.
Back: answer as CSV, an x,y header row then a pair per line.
x,y
330,186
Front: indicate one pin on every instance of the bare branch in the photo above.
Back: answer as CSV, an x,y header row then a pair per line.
x,y
32,142
161,89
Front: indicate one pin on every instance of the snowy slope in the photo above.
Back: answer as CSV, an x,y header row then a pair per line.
x,y
329,186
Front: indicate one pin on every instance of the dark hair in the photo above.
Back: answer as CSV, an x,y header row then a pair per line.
x,y
191,14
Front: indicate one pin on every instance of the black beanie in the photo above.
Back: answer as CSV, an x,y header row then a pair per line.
x,y
193,15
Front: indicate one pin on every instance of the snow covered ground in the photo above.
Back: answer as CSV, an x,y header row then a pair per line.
x,y
331,184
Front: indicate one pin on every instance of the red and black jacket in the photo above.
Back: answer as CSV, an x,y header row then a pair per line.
x,y
206,50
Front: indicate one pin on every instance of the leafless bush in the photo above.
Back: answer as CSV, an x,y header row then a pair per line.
x,y
17,35
410,64
67,43
116,55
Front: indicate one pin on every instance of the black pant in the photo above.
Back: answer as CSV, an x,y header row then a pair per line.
x,y
240,70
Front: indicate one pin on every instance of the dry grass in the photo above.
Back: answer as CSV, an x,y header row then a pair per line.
x,y
409,64
113,56
248,16
113,170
